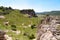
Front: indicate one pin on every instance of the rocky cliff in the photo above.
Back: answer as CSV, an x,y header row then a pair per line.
x,y
47,29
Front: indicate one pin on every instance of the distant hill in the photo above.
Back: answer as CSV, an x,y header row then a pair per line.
x,y
50,13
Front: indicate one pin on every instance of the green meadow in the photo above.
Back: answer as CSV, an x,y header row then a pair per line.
x,y
22,22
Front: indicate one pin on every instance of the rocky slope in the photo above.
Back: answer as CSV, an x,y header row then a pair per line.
x,y
48,29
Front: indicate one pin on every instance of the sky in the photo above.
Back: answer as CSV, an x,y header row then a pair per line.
x,y
37,5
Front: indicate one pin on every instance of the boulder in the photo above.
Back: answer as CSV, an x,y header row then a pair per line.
x,y
2,17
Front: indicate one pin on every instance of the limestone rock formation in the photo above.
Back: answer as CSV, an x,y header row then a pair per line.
x,y
4,36
47,36
2,33
47,30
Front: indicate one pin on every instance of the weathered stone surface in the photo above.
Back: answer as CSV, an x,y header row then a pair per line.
x,y
2,33
47,30
7,37
2,17
47,36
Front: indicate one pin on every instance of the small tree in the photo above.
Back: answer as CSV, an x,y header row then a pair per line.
x,y
10,8
1,7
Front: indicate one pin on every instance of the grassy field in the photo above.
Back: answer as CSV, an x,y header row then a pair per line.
x,y
22,22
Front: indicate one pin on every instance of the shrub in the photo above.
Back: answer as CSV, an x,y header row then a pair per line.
x,y
31,37
25,34
13,27
33,26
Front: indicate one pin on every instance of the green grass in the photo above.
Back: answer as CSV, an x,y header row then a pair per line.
x,y
16,18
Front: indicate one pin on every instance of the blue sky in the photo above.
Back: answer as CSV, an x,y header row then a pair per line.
x,y
37,5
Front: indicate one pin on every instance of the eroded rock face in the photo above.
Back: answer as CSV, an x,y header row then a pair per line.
x,y
48,31
30,12
2,33
4,36
47,36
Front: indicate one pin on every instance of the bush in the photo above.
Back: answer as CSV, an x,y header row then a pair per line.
x,y
13,27
31,37
33,26
25,34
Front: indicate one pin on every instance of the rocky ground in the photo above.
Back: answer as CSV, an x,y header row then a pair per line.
x,y
48,29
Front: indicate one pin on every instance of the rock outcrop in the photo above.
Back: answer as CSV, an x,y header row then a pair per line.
x,y
30,12
47,30
2,33
4,36
47,36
